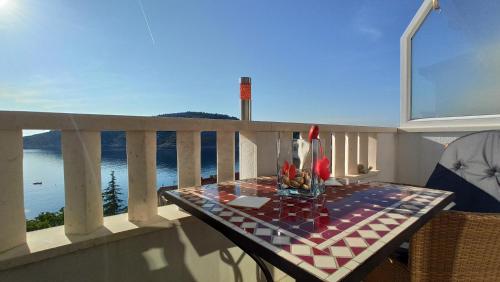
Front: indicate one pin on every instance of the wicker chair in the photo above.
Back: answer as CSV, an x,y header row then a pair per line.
x,y
454,246
457,246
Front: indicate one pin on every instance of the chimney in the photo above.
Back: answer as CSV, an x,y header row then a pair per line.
x,y
246,98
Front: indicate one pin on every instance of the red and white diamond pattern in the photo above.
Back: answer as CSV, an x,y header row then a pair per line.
x,y
324,234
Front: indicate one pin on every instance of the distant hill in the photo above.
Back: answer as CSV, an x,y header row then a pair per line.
x,y
199,115
116,140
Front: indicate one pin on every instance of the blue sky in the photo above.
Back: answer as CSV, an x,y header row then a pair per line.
x,y
310,61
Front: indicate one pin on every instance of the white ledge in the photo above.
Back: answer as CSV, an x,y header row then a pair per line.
x,y
371,173
53,242
66,121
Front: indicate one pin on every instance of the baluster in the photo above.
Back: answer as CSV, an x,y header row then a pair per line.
x,y
83,212
339,149
267,153
188,158
225,156
141,160
372,150
12,219
248,154
363,149
352,153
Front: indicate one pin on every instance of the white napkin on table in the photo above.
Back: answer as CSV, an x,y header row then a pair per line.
x,y
249,202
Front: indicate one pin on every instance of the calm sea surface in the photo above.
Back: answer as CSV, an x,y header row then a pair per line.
x,y
47,167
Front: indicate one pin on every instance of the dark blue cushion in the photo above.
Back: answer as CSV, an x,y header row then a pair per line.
x,y
468,197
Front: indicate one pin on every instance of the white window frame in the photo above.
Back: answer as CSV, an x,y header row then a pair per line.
x,y
465,123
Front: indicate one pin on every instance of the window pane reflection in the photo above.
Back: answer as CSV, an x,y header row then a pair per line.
x,y
456,61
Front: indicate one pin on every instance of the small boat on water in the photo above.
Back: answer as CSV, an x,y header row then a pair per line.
x,y
37,183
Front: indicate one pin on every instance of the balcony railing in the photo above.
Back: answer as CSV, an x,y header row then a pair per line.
x,y
346,146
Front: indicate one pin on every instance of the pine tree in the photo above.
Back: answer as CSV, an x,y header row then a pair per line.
x,y
111,197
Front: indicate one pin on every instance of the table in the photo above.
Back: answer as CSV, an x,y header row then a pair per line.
x,y
341,235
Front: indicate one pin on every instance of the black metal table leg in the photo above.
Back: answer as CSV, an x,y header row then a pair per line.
x,y
263,266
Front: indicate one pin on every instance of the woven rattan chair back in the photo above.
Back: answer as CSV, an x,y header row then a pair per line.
x,y
457,246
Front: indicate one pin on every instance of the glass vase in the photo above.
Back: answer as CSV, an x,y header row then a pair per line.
x,y
295,168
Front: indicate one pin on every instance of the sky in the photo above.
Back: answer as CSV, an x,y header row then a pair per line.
x,y
319,61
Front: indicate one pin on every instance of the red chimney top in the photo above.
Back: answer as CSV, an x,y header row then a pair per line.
x,y
245,88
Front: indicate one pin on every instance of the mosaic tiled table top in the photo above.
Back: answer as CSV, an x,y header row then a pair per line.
x,y
330,236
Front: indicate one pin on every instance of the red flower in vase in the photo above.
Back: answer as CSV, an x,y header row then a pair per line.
x,y
292,171
313,132
289,170
284,169
322,168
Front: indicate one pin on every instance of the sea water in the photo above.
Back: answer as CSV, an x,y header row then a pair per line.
x,y
46,166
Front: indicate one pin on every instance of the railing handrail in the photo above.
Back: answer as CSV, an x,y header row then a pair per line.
x,y
94,122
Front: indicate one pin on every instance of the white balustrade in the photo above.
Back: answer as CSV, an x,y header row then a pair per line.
x,y
81,152
12,220
141,160
225,155
267,153
352,153
248,154
188,158
339,153
372,150
81,147
363,149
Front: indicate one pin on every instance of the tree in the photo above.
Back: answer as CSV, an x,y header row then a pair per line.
x,y
46,220
111,198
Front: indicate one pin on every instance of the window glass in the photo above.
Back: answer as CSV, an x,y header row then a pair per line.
x,y
456,61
